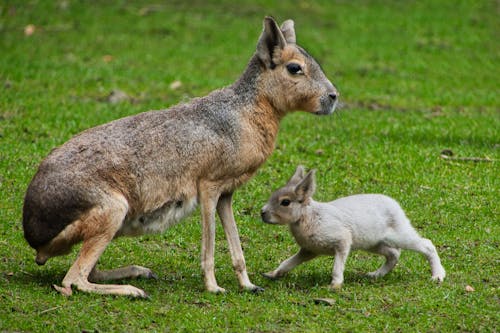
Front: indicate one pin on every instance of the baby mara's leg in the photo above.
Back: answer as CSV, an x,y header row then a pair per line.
x,y
290,263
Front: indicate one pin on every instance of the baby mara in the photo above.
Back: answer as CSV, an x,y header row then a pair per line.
x,y
371,222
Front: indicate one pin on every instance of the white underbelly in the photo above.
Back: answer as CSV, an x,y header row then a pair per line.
x,y
158,220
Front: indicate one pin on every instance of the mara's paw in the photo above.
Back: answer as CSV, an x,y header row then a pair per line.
x,y
439,278
374,275
216,290
65,291
142,272
255,289
335,286
438,274
134,292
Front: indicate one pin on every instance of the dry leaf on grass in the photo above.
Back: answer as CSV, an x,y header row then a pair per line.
x,y
175,85
29,30
107,58
116,96
324,301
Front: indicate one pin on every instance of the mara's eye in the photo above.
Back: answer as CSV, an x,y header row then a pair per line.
x,y
285,202
294,68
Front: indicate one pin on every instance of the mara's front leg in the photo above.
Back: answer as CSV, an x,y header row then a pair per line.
x,y
208,200
225,211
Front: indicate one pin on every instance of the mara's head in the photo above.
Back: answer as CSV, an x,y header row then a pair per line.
x,y
292,79
287,204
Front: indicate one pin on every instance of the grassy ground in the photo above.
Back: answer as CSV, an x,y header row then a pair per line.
x,y
416,77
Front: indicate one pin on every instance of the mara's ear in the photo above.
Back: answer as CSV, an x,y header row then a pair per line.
x,y
270,39
288,30
305,189
297,176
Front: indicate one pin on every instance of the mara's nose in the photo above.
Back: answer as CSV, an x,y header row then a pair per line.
x,y
333,96
263,214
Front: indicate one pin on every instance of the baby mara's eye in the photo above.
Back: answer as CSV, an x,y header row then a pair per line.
x,y
294,68
285,202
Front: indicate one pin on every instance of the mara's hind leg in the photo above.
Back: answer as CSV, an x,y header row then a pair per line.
x,y
391,255
128,272
425,246
98,229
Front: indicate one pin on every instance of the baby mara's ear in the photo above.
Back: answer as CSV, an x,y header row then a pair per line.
x,y
306,187
297,176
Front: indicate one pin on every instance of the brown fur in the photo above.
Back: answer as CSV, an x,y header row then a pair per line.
x,y
143,173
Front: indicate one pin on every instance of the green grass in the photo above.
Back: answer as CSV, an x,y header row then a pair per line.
x,y
416,77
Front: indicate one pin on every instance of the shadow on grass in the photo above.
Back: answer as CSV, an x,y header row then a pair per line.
x,y
311,280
